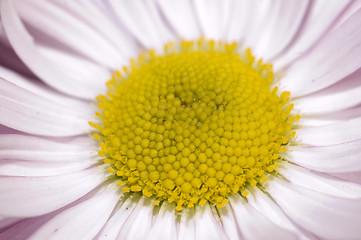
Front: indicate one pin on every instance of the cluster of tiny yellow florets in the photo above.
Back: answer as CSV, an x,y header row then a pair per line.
x,y
194,124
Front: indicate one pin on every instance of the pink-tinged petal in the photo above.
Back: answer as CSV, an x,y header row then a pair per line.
x,y
207,226
354,177
26,48
320,18
335,133
41,195
213,17
7,221
265,205
229,223
181,17
342,95
31,148
115,222
77,106
82,221
98,18
70,31
27,112
284,19
164,227
143,21
330,118
345,157
25,227
40,169
187,225
349,11
253,224
304,78
139,223
319,182
324,215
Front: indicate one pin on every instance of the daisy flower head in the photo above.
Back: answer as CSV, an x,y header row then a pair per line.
x,y
186,119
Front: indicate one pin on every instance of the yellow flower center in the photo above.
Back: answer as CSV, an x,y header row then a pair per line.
x,y
194,124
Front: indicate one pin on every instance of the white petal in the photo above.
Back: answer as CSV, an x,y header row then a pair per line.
x,y
229,223
138,224
187,225
31,148
164,227
265,205
303,78
253,224
24,45
345,157
354,177
213,17
345,94
38,169
30,113
335,133
143,21
207,226
319,19
180,14
326,216
283,22
70,31
319,182
100,20
240,20
82,221
41,195
115,222
38,88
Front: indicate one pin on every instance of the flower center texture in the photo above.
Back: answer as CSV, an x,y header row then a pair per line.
x,y
193,125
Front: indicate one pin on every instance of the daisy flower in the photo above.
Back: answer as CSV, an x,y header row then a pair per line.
x,y
180,119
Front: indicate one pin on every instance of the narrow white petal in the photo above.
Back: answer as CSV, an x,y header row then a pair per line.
x,y
284,19
319,182
320,18
112,227
41,169
326,216
180,14
71,31
139,223
24,45
303,78
253,224
31,148
335,133
30,113
229,223
143,21
106,27
213,17
343,95
164,227
48,94
207,226
240,20
41,195
187,225
82,221
345,157
265,205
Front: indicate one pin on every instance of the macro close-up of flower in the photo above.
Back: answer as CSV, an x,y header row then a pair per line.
x,y
184,119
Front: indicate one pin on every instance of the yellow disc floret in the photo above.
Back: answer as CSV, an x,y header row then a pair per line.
x,y
194,124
